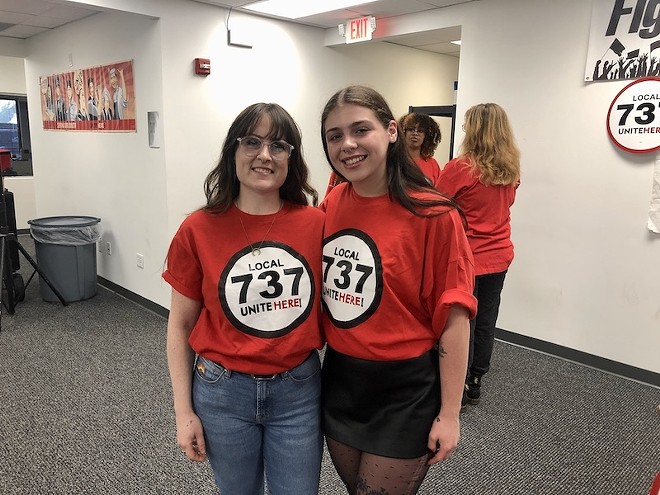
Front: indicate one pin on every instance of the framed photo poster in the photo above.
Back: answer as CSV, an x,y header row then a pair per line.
x,y
100,99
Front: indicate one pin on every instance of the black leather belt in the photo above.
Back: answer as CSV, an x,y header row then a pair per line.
x,y
274,375
264,377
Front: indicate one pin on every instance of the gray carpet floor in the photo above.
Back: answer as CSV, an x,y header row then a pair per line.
x,y
86,408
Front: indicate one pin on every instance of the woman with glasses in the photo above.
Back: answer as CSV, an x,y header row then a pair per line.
x,y
244,324
484,180
397,289
422,136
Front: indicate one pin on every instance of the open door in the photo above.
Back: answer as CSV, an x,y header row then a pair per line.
x,y
446,117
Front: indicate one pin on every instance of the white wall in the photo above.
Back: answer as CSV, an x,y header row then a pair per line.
x,y
114,176
12,75
287,64
143,194
24,199
586,273
11,47
12,81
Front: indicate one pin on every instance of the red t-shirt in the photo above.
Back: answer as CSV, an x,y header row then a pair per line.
x,y
260,314
333,181
430,168
390,277
487,209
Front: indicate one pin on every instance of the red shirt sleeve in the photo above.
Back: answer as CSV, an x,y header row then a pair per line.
x,y
184,271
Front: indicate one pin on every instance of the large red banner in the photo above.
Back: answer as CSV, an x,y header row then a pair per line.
x,y
100,98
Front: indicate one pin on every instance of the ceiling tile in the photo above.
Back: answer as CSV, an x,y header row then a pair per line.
x,y
22,31
30,17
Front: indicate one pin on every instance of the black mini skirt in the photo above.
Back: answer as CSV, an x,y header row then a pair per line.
x,y
385,408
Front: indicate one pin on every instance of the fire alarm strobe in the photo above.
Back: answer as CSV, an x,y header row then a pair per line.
x,y
202,66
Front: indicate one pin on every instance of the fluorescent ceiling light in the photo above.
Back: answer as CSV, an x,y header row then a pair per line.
x,y
456,42
294,9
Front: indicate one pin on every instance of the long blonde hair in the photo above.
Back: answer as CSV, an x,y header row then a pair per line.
x,y
489,145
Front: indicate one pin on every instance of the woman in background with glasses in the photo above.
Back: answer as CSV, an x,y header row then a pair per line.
x,y
484,180
422,136
244,323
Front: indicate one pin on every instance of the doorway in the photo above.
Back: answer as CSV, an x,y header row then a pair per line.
x,y
445,115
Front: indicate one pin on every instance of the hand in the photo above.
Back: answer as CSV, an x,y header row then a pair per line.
x,y
443,438
190,437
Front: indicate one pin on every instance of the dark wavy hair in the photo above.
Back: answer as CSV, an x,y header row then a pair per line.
x,y
403,175
432,135
221,186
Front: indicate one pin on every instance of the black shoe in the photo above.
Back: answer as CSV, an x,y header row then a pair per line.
x,y
464,399
472,393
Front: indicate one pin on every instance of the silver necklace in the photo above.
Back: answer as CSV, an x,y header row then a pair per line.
x,y
257,251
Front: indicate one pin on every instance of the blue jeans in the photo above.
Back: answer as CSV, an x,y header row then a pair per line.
x,y
256,425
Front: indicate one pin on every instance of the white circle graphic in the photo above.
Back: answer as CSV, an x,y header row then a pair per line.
x,y
633,120
352,277
268,294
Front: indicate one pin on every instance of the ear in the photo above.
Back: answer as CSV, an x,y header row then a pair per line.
x,y
392,131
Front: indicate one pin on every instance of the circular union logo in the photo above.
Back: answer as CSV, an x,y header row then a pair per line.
x,y
269,294
632,120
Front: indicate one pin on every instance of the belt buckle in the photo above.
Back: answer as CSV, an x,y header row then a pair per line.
x,y
264,377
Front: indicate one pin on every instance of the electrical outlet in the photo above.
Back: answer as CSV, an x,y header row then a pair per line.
x,y
140,260
108,248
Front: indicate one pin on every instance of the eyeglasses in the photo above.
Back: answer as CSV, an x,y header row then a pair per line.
x,y
252,146
410,130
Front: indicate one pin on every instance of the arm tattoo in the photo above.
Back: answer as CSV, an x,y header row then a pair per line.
x,y
442,351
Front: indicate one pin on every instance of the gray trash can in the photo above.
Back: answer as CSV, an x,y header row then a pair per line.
x,y
66,253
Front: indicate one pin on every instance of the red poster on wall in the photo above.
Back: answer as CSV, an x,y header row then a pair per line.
x,y
100,99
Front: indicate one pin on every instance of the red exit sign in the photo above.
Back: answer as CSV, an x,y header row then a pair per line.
x,y
360,29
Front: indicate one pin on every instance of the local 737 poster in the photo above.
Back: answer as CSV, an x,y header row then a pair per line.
x,y
100,99
624,40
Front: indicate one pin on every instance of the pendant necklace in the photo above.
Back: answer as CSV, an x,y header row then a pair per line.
x,y
256,251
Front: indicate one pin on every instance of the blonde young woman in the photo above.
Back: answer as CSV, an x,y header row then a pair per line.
x,y
484,180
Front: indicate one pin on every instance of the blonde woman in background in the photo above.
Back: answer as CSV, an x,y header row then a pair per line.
x,y
483,180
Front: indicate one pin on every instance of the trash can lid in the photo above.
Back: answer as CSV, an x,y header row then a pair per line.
x,y
56,222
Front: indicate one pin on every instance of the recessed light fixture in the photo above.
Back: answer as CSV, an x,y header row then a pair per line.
x,y
456,42
294,9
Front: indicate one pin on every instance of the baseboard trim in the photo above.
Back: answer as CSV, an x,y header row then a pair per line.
x,y
584,358
132,296
599,363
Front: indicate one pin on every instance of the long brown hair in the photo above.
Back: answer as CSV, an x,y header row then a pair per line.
x,y
221,186
403,175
